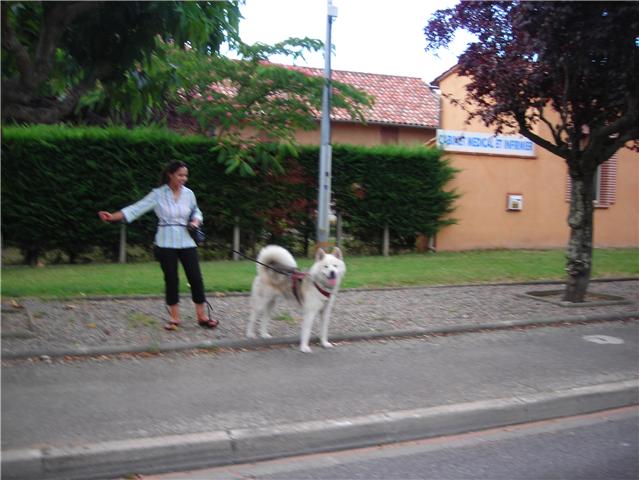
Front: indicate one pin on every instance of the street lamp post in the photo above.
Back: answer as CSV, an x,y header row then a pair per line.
x,y
324,196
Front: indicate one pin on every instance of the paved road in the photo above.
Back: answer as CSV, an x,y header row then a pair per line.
x,y
117,400
90,401
604,445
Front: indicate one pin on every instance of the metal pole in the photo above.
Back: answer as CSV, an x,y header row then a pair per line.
x,y
324,196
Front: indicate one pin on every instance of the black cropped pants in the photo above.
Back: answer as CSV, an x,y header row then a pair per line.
x,y
168,258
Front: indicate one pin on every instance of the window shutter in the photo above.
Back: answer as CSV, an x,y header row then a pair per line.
x,y
607,184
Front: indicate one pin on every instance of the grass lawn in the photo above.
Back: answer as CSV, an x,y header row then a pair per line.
x,y
63,281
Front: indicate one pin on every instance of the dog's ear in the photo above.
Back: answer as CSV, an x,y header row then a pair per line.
x,y
337,252
319,254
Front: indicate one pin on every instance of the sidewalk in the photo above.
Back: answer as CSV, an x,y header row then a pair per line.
x,y
93,326
112,416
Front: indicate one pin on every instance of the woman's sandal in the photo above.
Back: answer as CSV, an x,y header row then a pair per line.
x,y
171,326
208,322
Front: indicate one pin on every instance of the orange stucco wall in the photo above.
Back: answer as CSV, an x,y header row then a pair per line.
x,y
368,135
484,182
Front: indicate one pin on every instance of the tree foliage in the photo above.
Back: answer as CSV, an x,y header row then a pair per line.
x,y
55,52
569,67
249,102
136,63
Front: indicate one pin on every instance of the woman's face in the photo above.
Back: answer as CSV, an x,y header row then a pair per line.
x,y
179,177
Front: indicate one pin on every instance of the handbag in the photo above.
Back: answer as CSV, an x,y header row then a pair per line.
x,y
197,234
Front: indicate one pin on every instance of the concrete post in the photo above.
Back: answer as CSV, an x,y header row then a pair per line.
x,y
122,253
236,239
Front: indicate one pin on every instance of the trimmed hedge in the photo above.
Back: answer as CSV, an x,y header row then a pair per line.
x,y
55,179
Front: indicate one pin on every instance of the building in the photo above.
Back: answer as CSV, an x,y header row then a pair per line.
x,y
518,197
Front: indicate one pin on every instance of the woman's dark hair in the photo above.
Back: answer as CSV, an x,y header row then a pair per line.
x,y
171,168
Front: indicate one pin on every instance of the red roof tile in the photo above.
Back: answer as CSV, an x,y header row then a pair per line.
x,y
404,101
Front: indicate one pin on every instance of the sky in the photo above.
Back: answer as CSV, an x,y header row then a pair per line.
x,y
372,36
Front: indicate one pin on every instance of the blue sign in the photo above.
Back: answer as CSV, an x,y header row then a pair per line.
x,y
476,142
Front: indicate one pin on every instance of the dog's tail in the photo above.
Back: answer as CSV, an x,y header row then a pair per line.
x,y
278,258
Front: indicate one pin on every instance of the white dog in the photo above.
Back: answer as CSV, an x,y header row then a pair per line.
x,y
314,290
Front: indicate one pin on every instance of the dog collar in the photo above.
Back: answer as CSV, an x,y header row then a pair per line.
x,y
321,290
296,279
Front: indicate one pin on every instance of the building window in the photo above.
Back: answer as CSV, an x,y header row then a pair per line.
x,y
605,184
596,187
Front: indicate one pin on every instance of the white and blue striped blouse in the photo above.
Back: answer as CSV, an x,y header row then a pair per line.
x,y
174,214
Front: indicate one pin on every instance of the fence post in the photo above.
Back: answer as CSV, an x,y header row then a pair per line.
x,y
386,243
236,239
122,255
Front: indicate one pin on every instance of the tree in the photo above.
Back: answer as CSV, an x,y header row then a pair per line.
x,y
244,103
570,66
53,53
247,104
138,62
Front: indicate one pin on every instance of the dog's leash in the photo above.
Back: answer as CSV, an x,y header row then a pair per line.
x,y
288,274
295,274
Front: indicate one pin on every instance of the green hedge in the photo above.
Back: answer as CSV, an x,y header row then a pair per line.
x,y
55,179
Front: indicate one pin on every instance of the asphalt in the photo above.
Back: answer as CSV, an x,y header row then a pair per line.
x,y
196,406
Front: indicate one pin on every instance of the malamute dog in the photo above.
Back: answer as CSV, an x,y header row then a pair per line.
x,y
314,290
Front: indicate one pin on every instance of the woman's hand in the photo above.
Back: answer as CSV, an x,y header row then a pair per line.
x,y
111,217
105,216
194,223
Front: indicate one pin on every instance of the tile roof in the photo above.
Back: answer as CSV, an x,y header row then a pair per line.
x,y
402,101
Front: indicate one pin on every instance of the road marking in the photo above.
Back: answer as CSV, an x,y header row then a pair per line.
x,y
603,339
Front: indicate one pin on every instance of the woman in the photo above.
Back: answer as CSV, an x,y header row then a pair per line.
x,y
176,208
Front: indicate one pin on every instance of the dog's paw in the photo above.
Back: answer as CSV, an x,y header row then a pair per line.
x,y
326,344
250,334
265,335
305,349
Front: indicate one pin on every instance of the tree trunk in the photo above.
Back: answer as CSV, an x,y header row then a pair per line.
x,y
579,251
30,256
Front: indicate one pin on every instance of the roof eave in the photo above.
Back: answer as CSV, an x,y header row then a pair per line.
x,y
444,75
390,124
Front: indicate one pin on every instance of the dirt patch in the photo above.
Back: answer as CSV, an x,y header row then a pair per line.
x,y
593,299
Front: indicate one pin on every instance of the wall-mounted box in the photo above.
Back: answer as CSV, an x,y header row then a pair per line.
x,y
514,202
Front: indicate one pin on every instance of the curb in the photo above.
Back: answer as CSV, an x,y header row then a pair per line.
x,y
202,450
292,340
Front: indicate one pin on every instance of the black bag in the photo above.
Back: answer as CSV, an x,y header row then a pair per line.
x,y
197,234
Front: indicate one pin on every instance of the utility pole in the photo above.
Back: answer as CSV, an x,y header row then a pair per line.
x,y
324,196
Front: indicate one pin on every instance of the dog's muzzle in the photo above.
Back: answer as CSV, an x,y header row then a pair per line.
x,y
331,278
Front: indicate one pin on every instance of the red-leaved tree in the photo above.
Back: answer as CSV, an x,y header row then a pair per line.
x,y
571,66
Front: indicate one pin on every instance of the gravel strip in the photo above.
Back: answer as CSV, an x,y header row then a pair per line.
x,y
56,325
